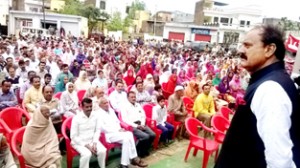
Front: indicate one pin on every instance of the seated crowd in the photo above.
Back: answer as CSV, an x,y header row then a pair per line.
x,y
117,91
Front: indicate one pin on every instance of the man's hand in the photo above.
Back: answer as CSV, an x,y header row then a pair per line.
x,y
140,127
92,148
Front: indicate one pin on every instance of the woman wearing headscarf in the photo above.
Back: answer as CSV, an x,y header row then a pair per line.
x,y
61,84
181,79
6,158
40,143
129,78
171,84
224,90
236,87
149,84
192,90
90,92
69,101
82,82
217,80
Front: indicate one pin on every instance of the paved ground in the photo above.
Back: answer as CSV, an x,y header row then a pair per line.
x,y
167,157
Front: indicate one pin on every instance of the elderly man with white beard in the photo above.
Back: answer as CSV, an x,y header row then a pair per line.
x,y
110,125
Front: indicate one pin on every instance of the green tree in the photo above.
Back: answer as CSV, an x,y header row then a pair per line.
x,y
135,6
72,7
288,25
115,22
93,15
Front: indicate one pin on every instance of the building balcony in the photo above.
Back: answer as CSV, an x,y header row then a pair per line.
x,y
228,26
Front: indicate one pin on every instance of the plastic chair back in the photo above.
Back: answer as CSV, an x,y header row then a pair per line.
x,y
80,95
220,123
17,140
225,111
11,120
192,125
148,110
58,95
110,90
129,88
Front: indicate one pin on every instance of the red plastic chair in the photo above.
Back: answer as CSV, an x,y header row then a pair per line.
x,y
221,125
71,152
176,124
11,120
80,95
110,90
225,111
199,143
16,143
166,94
152,124
189,104
58,95
129,88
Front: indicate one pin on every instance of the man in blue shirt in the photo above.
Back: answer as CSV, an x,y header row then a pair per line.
x,y
7,97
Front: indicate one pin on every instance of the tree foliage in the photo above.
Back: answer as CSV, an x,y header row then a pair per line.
x,y
288,25
93,14
135,6
115,22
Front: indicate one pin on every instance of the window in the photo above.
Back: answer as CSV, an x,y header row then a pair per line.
x,y
224,20
242,23
248,23
216,19
102,5
33,9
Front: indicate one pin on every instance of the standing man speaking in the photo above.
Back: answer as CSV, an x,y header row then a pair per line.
x,y
265,132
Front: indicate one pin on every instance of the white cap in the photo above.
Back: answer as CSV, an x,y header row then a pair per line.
x,y
177,88
26,59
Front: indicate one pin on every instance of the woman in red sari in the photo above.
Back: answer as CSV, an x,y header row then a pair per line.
x,y
129,78
171,84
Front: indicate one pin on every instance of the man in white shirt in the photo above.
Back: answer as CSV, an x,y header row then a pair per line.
x,y
67,56
118,96
85,134
110,125
133,114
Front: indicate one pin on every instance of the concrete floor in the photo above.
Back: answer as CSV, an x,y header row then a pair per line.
x,y
167,157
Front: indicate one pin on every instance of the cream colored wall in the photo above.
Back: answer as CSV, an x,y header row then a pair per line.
x,y
57,4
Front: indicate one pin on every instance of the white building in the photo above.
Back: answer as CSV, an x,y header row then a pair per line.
x,y
227,19
4,11
35,5
77,25
190,32
182,17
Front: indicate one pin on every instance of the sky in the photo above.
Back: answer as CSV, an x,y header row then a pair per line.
x,y
270,8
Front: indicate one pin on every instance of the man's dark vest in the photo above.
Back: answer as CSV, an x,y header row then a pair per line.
x,y
243,147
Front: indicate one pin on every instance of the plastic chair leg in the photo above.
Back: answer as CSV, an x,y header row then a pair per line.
x,y
205,159
187,153
216,155
195,152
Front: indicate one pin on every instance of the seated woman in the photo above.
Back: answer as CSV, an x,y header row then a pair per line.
x,y
149,84
90,92
142,96
182,79
129,78
69,101
236,89
40,143
224,90
171,84
192,90
137,80
215,94
82,82
61,84
6,158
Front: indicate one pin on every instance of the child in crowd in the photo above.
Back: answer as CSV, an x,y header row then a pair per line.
x,y
159,114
